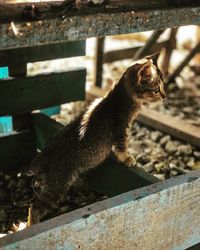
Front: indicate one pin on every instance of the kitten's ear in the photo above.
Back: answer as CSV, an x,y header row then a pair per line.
x,y
154,57
144,71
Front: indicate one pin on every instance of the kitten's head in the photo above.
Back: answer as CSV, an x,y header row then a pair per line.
x,y
145,80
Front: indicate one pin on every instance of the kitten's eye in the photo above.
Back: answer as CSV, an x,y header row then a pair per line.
x,y
156,91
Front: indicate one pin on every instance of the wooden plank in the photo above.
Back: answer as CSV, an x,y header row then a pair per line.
x,y
22,95
170,46
171,125
70,28
99,57
42,52
117,55
16,150
164,215
113,178
157,120
182,65
45,128
149,43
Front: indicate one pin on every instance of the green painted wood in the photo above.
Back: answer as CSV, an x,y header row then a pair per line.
x,y
163,215
42,52
25,94
16,150
45,128
113,178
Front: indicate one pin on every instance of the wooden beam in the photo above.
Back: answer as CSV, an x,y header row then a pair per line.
x,y
133,220
16,150
22,95
99,58
31,11
170,46
111,22
145,49
42,52
182,65
171,125
117,55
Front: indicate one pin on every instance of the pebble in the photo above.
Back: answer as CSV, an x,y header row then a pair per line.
x,y
148,167
159,166
171,147
185,149
191,163
197,165
197,154
161,177
164,140
155,136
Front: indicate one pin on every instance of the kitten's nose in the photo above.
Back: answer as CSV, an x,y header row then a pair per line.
x,y
163,95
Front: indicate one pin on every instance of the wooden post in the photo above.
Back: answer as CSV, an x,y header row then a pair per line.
x,y
143,50
99,61
170,46
178,70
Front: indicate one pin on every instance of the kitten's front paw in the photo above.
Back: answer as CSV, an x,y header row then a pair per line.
x,y
130,161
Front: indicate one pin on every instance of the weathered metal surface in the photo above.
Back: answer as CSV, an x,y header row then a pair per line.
x,y
21,95
69,28
164,216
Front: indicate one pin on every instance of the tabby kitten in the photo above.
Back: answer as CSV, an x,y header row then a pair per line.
x,y
89,140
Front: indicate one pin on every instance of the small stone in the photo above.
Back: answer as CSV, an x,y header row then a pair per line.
x,y
97,1
197,154
171,147
159,166
197,165
185,149
147,150
172,165
155,135
161,177
3,216
148,167
142,158
164,140
191,163
173,173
